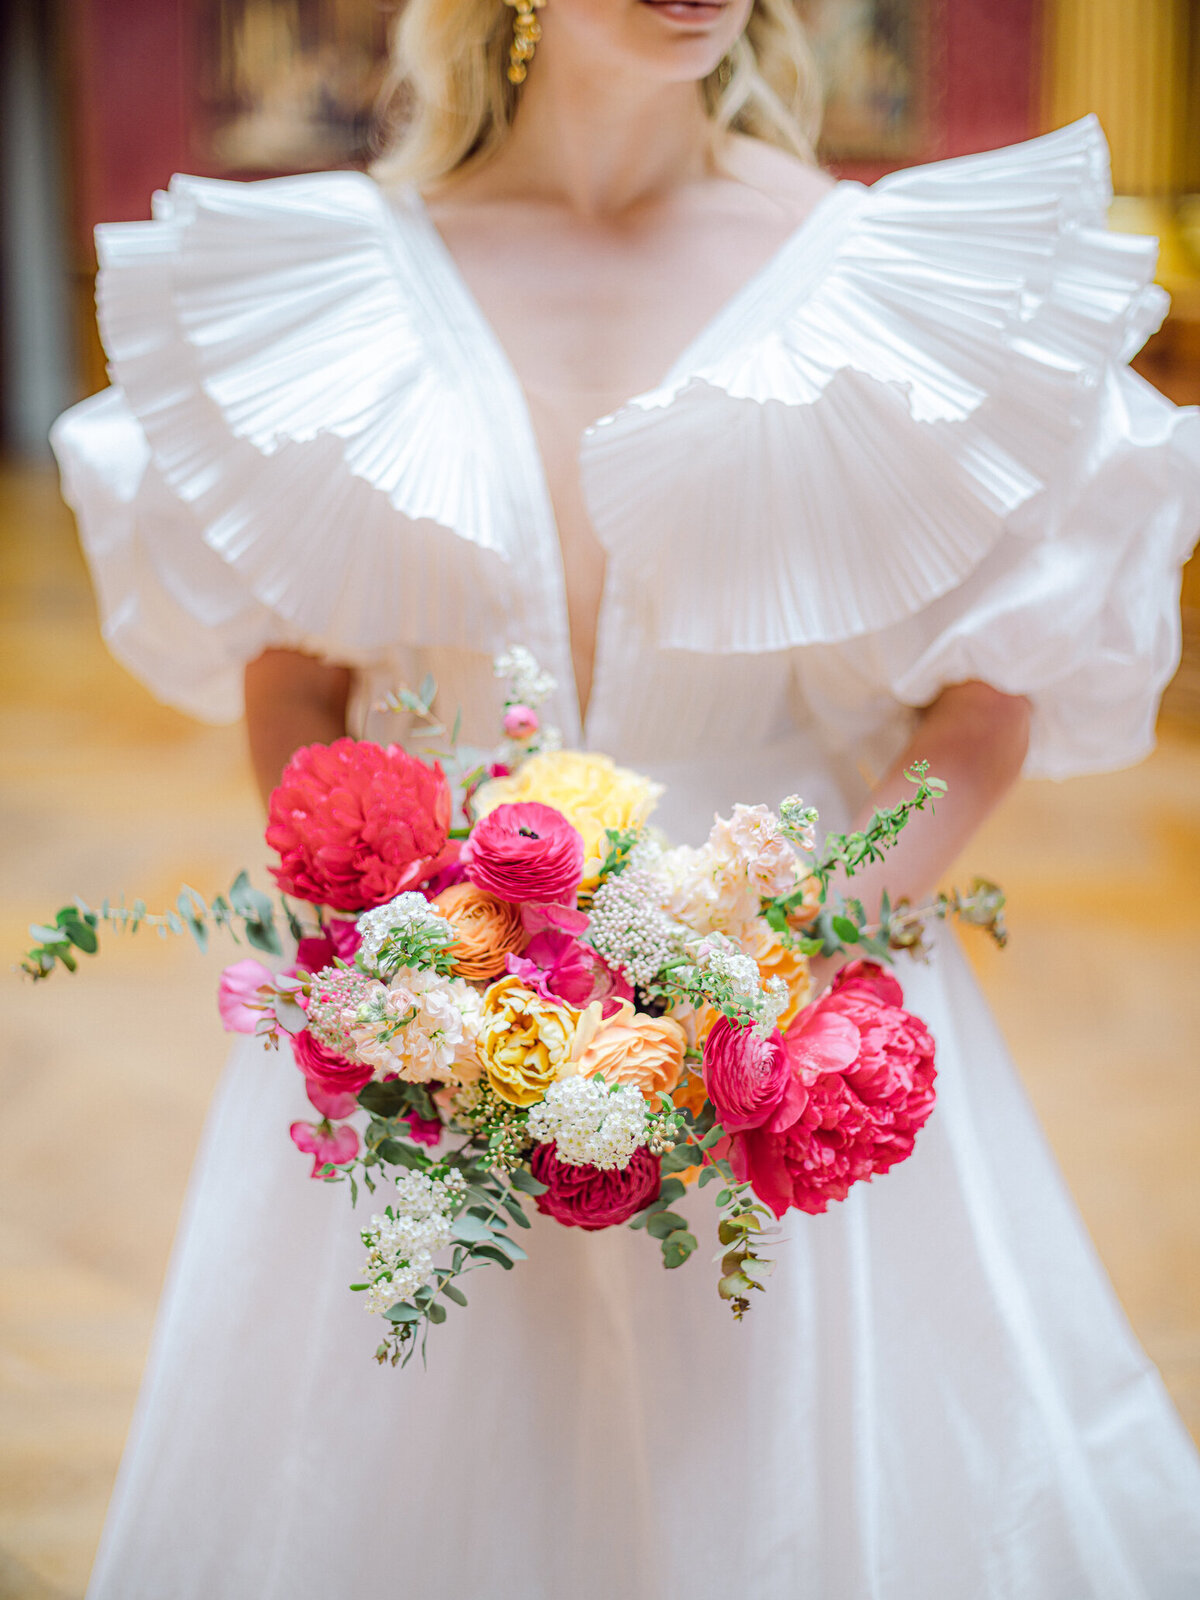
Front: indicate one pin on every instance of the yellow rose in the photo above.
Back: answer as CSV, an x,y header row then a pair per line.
x,y
590,790
775,960
633,1048
524,1041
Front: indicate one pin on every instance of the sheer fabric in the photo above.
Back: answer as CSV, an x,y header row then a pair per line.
x,y
907,453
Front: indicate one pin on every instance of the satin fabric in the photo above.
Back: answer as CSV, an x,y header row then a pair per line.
x,y
907,453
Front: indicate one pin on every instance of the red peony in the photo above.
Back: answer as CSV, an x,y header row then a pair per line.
x,y
750,1079
525,851
333,1072
592,1197
862,1115
356,823
339,941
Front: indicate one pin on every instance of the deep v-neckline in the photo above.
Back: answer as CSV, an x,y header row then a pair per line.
x,y
485,359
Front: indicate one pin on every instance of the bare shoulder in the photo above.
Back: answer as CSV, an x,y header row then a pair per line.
x,y
795,186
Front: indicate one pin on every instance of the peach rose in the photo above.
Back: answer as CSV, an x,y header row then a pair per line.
x,y
775,960
633,1048
488,929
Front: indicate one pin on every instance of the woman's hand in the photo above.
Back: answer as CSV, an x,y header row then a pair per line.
x,y
291,700
973,737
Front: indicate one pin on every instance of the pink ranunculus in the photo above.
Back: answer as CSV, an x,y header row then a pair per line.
x,y
595,1197
335,1105
340,940
324,1143
334,1072
862,1116
526,851
521,722
558,967
749,1079
356,823
237,987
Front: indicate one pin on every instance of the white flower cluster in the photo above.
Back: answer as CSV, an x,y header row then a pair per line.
x,y
728,976
630,929
402,1243
591,1123
393,932
528,685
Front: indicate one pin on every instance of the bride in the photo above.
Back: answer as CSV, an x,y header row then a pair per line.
x,y
885,489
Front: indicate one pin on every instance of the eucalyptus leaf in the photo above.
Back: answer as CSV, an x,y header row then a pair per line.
x,y
524,1180
437,1313
492,1254
470,1229
402,1154
402,1312
453,1292
660,1223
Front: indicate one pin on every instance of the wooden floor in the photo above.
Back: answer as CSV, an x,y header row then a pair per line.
x,y
105,1076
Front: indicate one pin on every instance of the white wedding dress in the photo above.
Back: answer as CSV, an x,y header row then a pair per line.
x,y
906,454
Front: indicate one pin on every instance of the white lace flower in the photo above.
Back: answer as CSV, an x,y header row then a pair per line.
x,y
528,684
591,1124
630,929
402,1243
404,929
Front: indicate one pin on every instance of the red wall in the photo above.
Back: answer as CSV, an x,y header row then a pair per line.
x,y
129,72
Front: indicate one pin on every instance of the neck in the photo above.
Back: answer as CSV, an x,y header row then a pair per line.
x,y
602,144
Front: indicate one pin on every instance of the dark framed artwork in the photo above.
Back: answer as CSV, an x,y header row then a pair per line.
x,y
287,85
873,60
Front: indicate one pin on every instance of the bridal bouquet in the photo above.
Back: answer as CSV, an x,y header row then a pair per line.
x,y
551,1004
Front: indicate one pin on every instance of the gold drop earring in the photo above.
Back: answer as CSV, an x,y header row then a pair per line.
x,y
527,30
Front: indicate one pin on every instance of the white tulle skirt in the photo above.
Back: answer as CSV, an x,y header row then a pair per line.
x,y
938,1398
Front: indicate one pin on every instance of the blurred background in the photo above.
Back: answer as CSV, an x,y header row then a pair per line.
x,y
105,1076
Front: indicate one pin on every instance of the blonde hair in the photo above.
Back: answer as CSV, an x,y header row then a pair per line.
x,y
448,101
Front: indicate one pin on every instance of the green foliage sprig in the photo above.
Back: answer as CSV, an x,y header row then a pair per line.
x,y
76,927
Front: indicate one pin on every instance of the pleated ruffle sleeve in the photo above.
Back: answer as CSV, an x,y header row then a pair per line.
x,y
278,461
932,464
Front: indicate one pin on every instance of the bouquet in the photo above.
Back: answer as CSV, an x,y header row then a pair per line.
x,y
551,1004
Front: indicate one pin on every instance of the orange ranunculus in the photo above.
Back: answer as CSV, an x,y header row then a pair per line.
x,y
488,930
633,1048
775,960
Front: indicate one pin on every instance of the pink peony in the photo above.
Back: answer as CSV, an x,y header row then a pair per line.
x,y
862,1115
355,823
451,870
750,1079
340,940
592,1197
333,1072
558,967
324,1143
238,986
525,851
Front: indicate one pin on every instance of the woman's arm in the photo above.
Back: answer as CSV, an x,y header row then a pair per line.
x,y
291,700
973,737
